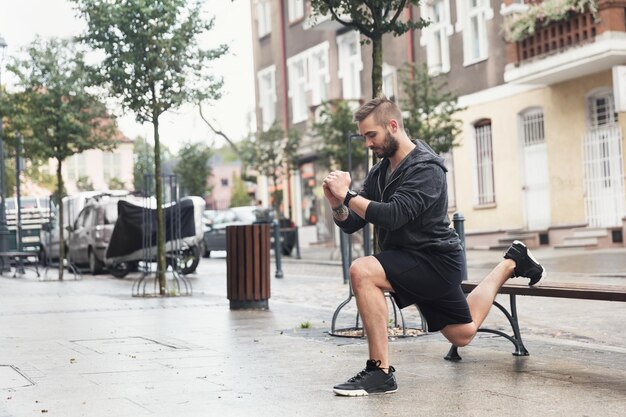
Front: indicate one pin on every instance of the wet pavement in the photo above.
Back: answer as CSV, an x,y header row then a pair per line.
x,y
88,348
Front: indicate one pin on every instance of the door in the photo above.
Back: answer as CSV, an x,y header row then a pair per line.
x,y
603,163
536,179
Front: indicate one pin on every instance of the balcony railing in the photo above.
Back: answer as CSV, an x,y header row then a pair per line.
x,y
578,29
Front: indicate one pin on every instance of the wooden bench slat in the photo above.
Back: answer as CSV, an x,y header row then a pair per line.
x,y
600,292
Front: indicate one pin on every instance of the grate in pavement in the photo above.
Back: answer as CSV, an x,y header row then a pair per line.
x,y
11,377
135,344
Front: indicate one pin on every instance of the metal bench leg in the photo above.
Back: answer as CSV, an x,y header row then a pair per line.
x,y
453,354
516,339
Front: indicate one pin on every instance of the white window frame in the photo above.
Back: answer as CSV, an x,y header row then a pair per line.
x,y
610,116
264,17
350,65
482,12
308,71
319,73
441,31
298,85
266,79
296,9
390,87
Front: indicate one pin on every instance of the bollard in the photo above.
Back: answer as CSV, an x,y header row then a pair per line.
x,y
458,222
345,254
298,244
277,249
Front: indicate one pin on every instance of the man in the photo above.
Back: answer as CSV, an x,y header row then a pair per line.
x,y
421,259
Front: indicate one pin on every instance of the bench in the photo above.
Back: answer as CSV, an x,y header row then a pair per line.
x,y
21,261
559,290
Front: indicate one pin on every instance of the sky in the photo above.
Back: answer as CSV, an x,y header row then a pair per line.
x,y
22,20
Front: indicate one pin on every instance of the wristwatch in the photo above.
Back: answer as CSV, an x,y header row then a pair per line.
x,y
349,196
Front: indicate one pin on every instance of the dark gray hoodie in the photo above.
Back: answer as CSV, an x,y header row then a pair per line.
x,y
410,212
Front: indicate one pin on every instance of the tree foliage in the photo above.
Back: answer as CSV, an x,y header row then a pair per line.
x,y
431,109
153,62
239,196
53,109
372,19
334,129
193,169
143,162
270,154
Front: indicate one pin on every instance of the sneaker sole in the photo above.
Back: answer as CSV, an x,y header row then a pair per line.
x,y
360,392
530,255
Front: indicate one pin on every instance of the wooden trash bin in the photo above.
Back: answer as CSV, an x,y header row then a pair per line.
x,y
248,266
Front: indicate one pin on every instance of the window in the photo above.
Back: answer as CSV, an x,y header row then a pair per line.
x,y
473,16
484,163
319,73
296,9
224,182
264,17
533,131
389,81
449,163
267,96
308,71
350,64
298,86
435,36
309,200
111,165
601,109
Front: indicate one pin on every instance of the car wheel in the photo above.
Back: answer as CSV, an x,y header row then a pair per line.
x,y
188,260
95,265
121,269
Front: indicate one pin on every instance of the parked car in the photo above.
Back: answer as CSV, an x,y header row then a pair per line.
x,y
90,233
72,206
215,232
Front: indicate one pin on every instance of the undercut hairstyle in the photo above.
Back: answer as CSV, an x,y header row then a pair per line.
x,y
383,111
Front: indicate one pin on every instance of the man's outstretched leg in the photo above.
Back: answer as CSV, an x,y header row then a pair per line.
x,y
369,284
518,262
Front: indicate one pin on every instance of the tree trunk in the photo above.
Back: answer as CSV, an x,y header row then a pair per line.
x,y
159,206
377,65
60,219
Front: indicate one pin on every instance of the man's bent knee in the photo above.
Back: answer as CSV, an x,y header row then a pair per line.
x,y
460,335
368,271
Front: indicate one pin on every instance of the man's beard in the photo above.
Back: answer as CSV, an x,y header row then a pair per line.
x,y
389,148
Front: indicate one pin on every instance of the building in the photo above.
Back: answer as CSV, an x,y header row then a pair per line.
x,y
99,168
540,157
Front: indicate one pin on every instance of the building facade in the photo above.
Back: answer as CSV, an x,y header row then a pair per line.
x,y
543,87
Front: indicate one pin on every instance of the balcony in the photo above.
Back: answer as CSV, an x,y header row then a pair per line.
x,y
578,45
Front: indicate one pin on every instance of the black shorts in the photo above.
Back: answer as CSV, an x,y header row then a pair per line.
x,y
432,281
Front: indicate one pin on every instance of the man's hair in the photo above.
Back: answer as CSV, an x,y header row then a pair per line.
x,y
382,109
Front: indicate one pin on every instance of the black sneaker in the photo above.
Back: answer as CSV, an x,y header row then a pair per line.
x,y
525,265
371,380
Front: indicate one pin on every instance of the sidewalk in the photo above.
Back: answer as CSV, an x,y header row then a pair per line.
x,y
87,348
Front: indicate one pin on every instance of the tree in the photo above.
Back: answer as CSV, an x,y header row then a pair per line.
x,y
431,107
240,196
371,19
269,154
152,63
54,111
193,169
334,129
143,162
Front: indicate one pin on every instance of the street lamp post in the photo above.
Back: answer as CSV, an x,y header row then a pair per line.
x,y
4,230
